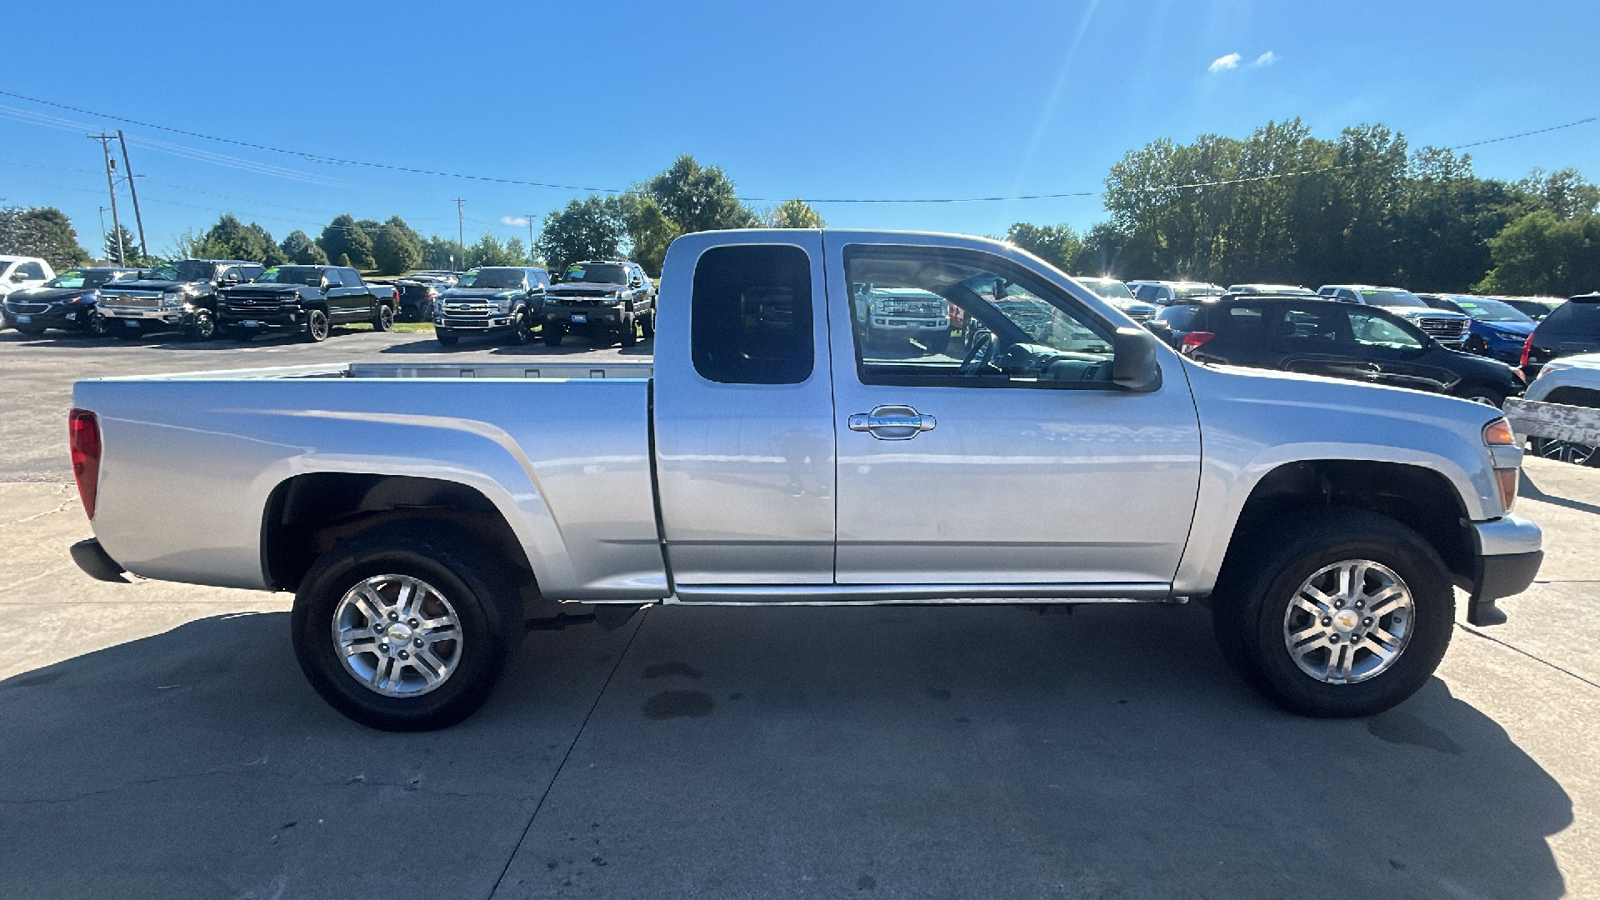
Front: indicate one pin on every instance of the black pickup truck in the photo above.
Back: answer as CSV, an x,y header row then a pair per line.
x,y
180,294
604,298
308,299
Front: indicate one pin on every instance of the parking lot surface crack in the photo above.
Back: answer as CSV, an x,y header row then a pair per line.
x,y
556,776
32,578
61,508
1515,649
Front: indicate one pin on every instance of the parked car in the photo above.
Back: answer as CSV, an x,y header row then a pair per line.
x,y
1570,381
1535,308
1277,290
308,299
1572,328
180,294
1498,329
19,273
601,297
1443,325
1165,293
1119,295
1325,337
493,300
416,293
767,456
66,302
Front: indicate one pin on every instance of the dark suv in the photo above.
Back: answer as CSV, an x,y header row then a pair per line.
x,y
1327,337
604,297
1574,327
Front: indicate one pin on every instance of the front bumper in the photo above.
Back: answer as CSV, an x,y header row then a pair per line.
x,y
63,316
138,317
261,318
583,316
1507,555
484,324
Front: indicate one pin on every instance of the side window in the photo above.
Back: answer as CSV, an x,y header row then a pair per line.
x,y
250,273
1016,330
32,270
331,278
1374,330
750,315
349,277
1148,293
1246,323
1319,325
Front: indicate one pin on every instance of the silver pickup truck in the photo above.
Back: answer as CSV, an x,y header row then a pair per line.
x,y
771,455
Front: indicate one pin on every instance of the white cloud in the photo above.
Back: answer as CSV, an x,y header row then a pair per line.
x,y
1222,63
1265,59
513,220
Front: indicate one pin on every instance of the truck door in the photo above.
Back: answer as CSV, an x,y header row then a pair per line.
x,y
744,419
1014,462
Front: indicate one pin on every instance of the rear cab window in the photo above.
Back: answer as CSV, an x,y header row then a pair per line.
x,y
750,315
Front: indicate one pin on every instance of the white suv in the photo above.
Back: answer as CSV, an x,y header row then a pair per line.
x,y
19,273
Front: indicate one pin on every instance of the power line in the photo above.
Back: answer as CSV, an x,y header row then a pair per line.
x,y
317,158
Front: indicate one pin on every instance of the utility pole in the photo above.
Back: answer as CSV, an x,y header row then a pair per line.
x,y
111,186
530,236
461,229
127,172
102,225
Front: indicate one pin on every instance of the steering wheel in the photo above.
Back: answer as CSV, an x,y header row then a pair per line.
x,y
982,354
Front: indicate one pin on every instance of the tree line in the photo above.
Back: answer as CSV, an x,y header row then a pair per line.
x,y
1284,206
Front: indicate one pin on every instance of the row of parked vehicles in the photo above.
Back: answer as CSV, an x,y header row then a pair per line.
x,y
205,298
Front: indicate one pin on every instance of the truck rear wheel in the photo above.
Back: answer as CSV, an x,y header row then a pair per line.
x,y
383,319
1334,613
405,627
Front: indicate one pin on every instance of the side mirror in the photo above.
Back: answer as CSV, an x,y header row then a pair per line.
x,y
19,278
1134,365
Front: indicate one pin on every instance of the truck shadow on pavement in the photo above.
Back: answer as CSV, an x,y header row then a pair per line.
x,y
962,752
1527,488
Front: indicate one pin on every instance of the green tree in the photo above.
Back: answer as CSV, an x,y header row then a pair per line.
x,y
488,251
442,253
298,248
345,261
396,249
1543,254
1565,193
1057,245
649,230
232,239
344,237
130,248
795,213
591,228
41,231
698,198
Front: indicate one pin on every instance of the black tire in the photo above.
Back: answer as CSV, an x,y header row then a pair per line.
x,y
1251,611
1566,451
1488,396
647,325
446,338
482,603
31,330
553,334
202,325
630,331
95,325
521,328
317,325
383,319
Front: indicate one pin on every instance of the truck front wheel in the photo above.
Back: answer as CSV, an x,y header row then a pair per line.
x,y
316,325
1335,613
405,628
630,331
202,325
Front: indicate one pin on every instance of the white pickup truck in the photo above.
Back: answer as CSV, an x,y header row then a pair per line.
x,y
772,455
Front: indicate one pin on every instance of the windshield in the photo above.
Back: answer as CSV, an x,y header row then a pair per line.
x,y
70,279
1108,288
307,275
493,278
597,273
1489,310
185,270
1376,297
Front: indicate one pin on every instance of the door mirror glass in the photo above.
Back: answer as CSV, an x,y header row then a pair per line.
x,y
1134,365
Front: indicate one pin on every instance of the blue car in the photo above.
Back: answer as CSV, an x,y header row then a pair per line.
x,y
1498,329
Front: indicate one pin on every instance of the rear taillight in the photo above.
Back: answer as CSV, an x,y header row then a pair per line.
x,y
1194,340
1527,348
83,437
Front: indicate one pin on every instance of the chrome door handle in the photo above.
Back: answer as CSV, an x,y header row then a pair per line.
x,y
892,423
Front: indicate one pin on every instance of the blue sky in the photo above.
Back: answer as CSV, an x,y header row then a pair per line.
x,y
816,100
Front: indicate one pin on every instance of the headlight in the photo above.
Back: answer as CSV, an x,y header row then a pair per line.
x,y
438,307
171,298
